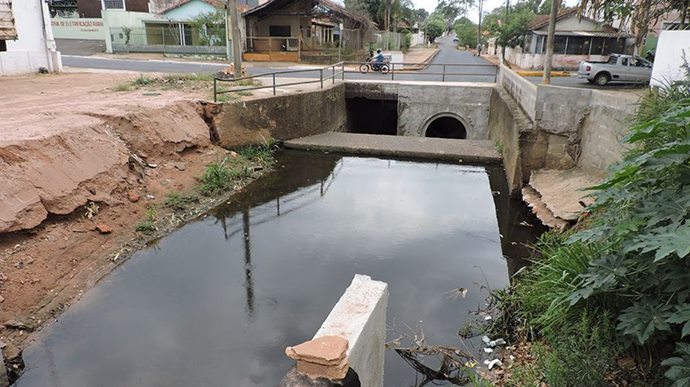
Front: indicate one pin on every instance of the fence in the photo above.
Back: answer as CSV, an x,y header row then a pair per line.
x,y
165,38
447,73
323,72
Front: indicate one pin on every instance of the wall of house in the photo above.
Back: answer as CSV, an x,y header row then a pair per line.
x,y
536,61
29,52
115,21
670,49
573,24
189,11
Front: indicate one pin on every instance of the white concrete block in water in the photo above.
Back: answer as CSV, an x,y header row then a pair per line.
x,y
360,317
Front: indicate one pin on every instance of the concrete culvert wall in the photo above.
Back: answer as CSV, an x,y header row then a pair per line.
x,y
446,125
282,117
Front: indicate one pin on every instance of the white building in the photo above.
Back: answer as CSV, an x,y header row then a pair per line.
x,y
26,38
672,52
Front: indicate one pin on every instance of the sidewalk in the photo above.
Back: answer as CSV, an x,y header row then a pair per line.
x,y
527,72
420,55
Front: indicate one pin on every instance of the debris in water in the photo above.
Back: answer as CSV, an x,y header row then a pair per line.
x,y
493,363
524,223
454,364
457,293
486,340
488,350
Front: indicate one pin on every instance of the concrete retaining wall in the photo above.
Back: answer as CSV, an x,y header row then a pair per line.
x,y
606,124
282,117
419,103
570,126
524,91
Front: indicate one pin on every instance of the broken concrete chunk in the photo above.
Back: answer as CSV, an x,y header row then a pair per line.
x,y
321,357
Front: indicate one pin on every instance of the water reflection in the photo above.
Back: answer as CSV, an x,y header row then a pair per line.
x,y
217,301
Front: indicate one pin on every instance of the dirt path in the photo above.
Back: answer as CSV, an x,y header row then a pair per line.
x,y
73,187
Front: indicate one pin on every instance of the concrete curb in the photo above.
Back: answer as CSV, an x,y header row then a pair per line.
x,y
528,73
424,64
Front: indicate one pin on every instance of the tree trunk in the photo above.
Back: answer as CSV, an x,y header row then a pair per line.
x,y
236,36
684,14
548,60
642,24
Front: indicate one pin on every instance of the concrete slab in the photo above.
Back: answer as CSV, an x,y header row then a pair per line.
x,y
562,191
464,151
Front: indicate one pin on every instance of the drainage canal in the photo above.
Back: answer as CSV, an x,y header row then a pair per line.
x,y
216,302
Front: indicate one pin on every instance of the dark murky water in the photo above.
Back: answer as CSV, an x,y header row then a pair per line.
x,y
216,302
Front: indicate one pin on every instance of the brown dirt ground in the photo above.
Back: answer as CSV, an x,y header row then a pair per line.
x,y
46,268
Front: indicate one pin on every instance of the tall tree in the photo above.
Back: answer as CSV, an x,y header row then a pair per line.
x,y
234,23
548,60
452,9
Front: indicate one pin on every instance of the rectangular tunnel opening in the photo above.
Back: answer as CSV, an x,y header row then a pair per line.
x,y
372,116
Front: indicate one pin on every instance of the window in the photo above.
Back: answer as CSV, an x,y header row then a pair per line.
x,y
559,44
3,45
114,4
578,45
281,31
624,61
7,30
598,46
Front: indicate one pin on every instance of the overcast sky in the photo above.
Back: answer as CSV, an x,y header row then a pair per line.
x,y
489,5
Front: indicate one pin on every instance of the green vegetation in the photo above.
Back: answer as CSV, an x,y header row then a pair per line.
x,y
620,284
434,27
466,32
180,201
224,175
146,227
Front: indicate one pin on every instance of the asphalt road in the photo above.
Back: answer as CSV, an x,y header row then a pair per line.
x,y
461,66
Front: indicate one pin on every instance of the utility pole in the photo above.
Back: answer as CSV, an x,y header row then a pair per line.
x,y
233,33
549,42
503,46
479,27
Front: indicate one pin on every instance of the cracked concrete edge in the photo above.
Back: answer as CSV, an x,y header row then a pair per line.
x,y
394,153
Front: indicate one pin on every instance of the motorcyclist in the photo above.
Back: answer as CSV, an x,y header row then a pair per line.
x,y
377,59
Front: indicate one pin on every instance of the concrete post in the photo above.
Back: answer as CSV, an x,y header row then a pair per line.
x,y
351,339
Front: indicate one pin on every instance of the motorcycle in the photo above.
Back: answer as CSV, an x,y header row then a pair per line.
x,y
373,65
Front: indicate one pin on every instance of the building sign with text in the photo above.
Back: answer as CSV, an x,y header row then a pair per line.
x,y
89,29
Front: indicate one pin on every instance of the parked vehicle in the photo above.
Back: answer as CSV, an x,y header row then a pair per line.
x,y
619,68
372,65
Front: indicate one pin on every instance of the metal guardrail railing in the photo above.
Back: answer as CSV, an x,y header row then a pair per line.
x,y
323,77
338,70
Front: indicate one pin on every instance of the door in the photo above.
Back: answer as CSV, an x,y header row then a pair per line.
x,y
639,70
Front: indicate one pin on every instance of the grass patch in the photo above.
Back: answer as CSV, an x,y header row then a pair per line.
x,y
143,80
180,202
224,175
146,227
122,87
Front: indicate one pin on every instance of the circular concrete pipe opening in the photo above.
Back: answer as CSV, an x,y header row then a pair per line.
x,y
446,126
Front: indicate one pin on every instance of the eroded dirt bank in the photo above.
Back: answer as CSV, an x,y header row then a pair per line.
x,y
80,166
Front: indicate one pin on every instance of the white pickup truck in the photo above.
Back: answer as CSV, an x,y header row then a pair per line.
x,y
619,68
